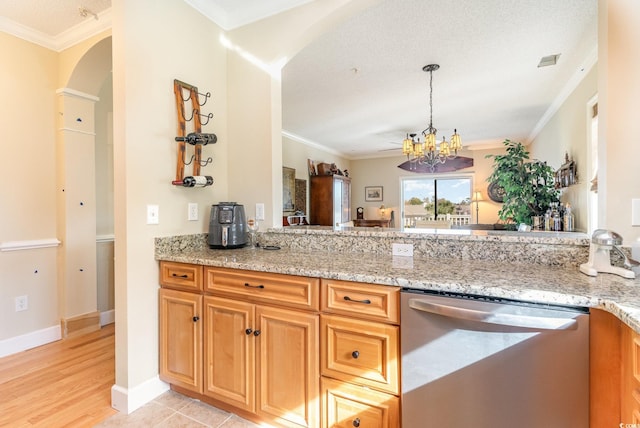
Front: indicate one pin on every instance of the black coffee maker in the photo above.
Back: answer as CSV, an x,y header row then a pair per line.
x,y
227,226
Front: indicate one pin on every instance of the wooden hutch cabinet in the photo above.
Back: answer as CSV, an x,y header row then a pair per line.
x,y
330,197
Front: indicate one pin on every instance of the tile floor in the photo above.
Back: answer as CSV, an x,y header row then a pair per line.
x,y
176,410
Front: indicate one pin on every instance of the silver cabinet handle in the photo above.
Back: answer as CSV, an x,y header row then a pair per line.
x,y
526,321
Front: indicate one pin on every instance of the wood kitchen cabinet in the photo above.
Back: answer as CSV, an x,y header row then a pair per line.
x,y
614,359
180,333
630,362
279,348
330,200
261,347
360,360
180,339
262,359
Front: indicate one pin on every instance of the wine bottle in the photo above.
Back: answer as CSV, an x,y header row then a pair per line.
x,y
194,181
194,138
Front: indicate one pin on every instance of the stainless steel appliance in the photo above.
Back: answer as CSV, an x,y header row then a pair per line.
x,y
471,361
227,226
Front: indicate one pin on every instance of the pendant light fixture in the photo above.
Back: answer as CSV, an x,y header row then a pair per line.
x,y
431,153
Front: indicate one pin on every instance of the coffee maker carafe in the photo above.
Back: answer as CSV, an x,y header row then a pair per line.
x,y
227,226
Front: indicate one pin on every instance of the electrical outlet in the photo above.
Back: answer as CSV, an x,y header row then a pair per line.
x,y
260,211
22,303
193,211
402,250
153,214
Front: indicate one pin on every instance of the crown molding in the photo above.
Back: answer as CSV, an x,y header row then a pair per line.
x,y
74,35
313,144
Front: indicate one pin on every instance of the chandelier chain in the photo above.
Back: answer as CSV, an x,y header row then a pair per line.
x,y
430,152
430,100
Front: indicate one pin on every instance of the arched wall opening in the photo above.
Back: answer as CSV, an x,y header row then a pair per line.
x,y
85,197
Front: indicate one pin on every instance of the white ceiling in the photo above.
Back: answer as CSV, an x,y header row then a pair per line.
x,y
55,24
488,86
360,88
230,14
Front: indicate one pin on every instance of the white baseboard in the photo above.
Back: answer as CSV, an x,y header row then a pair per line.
x,y
129,400
30,340
37,338
107,317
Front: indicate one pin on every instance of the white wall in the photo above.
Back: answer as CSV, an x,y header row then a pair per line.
x,y
153,44
568,132
104,159
28,126
28,80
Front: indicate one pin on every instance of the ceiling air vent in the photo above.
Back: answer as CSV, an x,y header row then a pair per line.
x,y
548,60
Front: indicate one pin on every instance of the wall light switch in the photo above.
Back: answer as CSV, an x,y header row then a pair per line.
x,y
635,212
153,214
259,211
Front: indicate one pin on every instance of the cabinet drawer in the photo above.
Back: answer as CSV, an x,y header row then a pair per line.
x,y
283,290
181,276
374,302
359,351
347,406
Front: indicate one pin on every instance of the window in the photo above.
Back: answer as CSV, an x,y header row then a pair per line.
x,y
444,200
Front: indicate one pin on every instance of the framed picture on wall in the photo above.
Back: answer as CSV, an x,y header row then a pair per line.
x,y
288,190
373,193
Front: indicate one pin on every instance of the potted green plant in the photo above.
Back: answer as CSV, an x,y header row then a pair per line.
x,y
527,185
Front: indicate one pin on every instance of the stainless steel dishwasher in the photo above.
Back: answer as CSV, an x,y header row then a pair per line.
x,y
472,361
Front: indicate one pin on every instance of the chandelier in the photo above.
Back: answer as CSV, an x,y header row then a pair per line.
x,y
431,152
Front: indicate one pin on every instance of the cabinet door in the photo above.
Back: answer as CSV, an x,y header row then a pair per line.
x,y
630,403
229,354
288,384
181,339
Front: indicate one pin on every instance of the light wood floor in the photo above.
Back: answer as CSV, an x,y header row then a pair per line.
x,y
63,384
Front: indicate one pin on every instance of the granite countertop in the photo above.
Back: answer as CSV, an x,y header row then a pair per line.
x,y
522,281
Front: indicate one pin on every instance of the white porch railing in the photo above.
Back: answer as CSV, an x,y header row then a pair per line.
x,y
453,219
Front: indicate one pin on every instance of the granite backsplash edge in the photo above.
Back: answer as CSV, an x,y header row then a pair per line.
x,y
561,253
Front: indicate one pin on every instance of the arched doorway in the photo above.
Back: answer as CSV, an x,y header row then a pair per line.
x,y
85,193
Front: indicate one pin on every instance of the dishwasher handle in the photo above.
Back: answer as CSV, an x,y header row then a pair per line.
x,y
511,320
